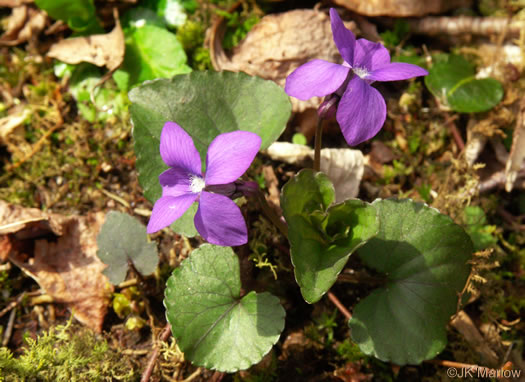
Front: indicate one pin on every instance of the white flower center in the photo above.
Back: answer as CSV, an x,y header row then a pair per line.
x,y
196,184
361,72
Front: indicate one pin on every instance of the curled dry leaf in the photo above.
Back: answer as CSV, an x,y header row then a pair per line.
x,y
67,268
277,45
11,122
400,8
344,167
101,49
23,24
517,151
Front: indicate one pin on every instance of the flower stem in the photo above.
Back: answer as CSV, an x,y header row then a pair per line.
x,y
271,215
318,139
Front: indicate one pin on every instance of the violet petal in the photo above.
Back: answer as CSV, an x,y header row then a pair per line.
x,y
344,38
175,181
230,155
219,220
396,71
361,112
177,148
316,78
168,209
370,55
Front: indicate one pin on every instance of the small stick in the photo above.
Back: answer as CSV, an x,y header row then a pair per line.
x,y
9,329
460,365
455,133
339,305
153,359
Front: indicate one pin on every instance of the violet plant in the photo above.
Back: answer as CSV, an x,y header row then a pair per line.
x,y
421,253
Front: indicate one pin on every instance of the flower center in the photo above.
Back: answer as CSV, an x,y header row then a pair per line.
x,y
196,184
361,72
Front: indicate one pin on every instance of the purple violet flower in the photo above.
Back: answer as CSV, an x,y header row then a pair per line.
x,y
218,219
361,111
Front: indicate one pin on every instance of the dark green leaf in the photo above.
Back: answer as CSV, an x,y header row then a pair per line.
x,y
205,104
214,326
123,238
424,254
322,238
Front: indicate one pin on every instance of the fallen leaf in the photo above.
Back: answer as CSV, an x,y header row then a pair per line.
x,y
101,49
66,266
11,122
23,25
277,45
14,3
517,151
400,8
344,167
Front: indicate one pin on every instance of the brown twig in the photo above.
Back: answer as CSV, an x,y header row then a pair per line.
x,y
339,305
166,332
454,26
460,365
39,144
455,133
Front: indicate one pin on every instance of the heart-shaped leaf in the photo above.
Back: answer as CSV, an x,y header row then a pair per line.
x,y
123,238
205,104
322,237
214,326
424,255
452,80
471,95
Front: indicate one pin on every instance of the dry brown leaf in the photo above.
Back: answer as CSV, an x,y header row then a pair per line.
x,y
344,167
400,8
517,151
277,45
66,268
14,3
11,122
23,24
101,49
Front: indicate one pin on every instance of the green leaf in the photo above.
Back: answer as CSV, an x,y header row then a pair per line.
x,y
151,52
205,104
79,14
472,95
123,238
184,225
452,80
108,102
322,237
424,255
476,226
214,326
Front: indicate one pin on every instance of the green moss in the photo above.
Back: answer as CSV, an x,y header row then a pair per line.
x,y
65,353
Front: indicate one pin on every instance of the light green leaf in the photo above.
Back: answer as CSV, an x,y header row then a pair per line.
x,y
151,52
424,255
322,237
214,326
452,80
471,95
79,14
123,238
205,104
